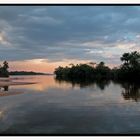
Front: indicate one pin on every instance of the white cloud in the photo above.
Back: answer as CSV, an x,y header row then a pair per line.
x,y
3,39
34,19
58,33
126,46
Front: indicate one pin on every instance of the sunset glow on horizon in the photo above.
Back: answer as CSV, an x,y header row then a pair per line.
x,y
40,65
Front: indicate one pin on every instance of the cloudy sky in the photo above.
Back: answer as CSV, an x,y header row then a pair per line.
x,y
40,38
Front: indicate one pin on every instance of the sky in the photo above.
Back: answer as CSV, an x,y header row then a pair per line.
x,y
41,38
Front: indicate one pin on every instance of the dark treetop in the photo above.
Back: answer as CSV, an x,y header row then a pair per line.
x,y
129,70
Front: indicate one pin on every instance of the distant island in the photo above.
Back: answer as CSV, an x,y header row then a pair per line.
x,y
27,73
5,73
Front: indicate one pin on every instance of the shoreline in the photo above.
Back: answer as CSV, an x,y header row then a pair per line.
x,y
9,81
2,84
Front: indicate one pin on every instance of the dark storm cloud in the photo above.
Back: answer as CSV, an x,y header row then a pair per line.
x,y
66,32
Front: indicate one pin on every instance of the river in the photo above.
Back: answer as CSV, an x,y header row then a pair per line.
x,y
52,107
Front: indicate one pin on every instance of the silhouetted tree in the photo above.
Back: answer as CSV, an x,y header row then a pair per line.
x,y
125,57
83,72
4,69
5,65
129,70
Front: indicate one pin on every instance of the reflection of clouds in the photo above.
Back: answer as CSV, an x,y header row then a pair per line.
x,y
42,83
66,109
1,114
97,93
66,93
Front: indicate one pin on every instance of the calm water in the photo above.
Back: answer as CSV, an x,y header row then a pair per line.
x,y
53,107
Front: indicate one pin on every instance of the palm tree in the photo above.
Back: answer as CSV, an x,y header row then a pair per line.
x,y
5,65
125,57
134,59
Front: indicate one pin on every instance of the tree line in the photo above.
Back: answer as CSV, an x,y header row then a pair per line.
x,y
128,70
5,73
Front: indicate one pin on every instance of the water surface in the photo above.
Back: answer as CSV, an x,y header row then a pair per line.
x,y
57,107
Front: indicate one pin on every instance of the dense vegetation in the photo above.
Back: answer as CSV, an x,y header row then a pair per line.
x,y
129,70
4,69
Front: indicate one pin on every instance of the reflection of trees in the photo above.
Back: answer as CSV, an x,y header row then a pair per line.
x,y
102,84
84,83
5,88
131,91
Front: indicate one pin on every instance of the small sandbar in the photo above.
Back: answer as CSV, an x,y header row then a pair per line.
x,y
5,82
9,82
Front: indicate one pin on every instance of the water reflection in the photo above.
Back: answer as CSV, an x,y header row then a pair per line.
x,y
4,88
42,83
131,91
101,84
53,106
